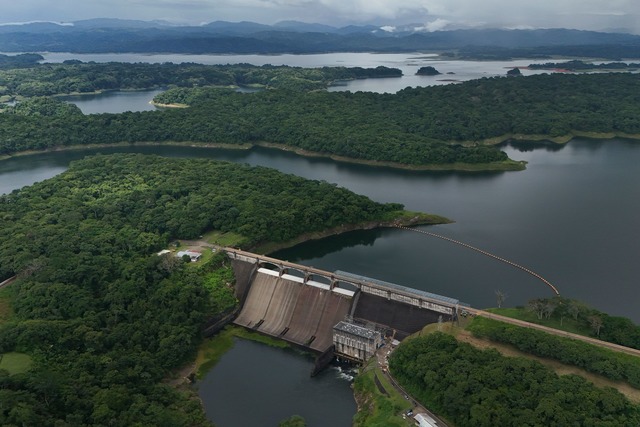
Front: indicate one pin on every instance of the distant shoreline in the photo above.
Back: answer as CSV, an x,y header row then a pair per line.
x,y
509,165
463,167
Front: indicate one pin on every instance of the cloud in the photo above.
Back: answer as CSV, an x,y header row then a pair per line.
x,y
438,14
437,25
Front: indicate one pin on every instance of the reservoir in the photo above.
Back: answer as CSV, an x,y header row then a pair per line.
x,y
114,101
571,217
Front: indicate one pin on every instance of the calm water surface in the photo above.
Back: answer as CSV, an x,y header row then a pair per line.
x,y
265,385
571,217
114,101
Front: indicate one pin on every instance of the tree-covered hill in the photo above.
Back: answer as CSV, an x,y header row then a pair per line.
x,y
478,388
74,76
442,126
102,317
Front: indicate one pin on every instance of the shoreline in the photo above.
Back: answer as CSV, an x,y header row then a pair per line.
x,y
507,166
407,219
510,165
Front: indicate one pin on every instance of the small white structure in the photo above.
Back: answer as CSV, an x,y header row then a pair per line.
x,y
193,255
424,420
162,252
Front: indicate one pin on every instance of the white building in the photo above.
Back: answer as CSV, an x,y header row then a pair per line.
x,y
193,255
424,420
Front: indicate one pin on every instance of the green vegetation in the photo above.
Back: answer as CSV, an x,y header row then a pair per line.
x,y
228,239
6,312
219,283
21,60
482,388
441,127
104,318
576,317
15,363
293,421
567,324
577,65
427,71
378,408
77,77
608,363
43,107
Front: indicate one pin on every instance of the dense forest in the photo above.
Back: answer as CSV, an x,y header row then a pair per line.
x,y
613,365
578,65
104,318
74,76
478,388
422,126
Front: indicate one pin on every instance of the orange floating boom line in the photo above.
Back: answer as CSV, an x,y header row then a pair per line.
x,y
506,261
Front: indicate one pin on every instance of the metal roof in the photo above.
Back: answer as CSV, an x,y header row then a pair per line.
x,y
403,289
353,329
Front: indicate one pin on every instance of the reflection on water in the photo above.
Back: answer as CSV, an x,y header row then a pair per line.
x,y
114,101
524,147
257,385
331,244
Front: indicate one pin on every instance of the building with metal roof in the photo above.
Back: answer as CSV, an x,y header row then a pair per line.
x,y
355,342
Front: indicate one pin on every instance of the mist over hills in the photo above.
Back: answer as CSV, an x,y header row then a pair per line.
x,y
119,36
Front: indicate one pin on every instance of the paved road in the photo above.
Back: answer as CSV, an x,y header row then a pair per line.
x,y
8,282
524,324
382,356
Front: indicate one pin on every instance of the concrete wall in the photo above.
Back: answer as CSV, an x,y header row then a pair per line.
x,y
298,313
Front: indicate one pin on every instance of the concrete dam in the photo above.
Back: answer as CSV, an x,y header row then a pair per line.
x,y
302,304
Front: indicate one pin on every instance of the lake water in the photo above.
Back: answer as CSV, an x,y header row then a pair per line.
x,y
268,385
114,101
571,217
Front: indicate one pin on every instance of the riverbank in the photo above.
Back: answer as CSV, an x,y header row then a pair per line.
x,y
557,139
509,165
400,218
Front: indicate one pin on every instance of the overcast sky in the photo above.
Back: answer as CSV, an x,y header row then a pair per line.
x,y
432,14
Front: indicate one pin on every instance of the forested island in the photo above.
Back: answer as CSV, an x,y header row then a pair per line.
x,y
443,127
578,65
102,318
77,77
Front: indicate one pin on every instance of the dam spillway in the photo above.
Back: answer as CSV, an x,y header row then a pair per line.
x,y
284,306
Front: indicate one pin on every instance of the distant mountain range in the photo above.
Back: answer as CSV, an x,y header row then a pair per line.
x,y
116,35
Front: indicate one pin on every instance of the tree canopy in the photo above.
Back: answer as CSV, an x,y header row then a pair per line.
x,y
479,388
102,316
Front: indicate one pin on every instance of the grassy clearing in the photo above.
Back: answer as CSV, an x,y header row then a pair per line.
x,y
220,238
374,407
15,363
214,348
567,324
